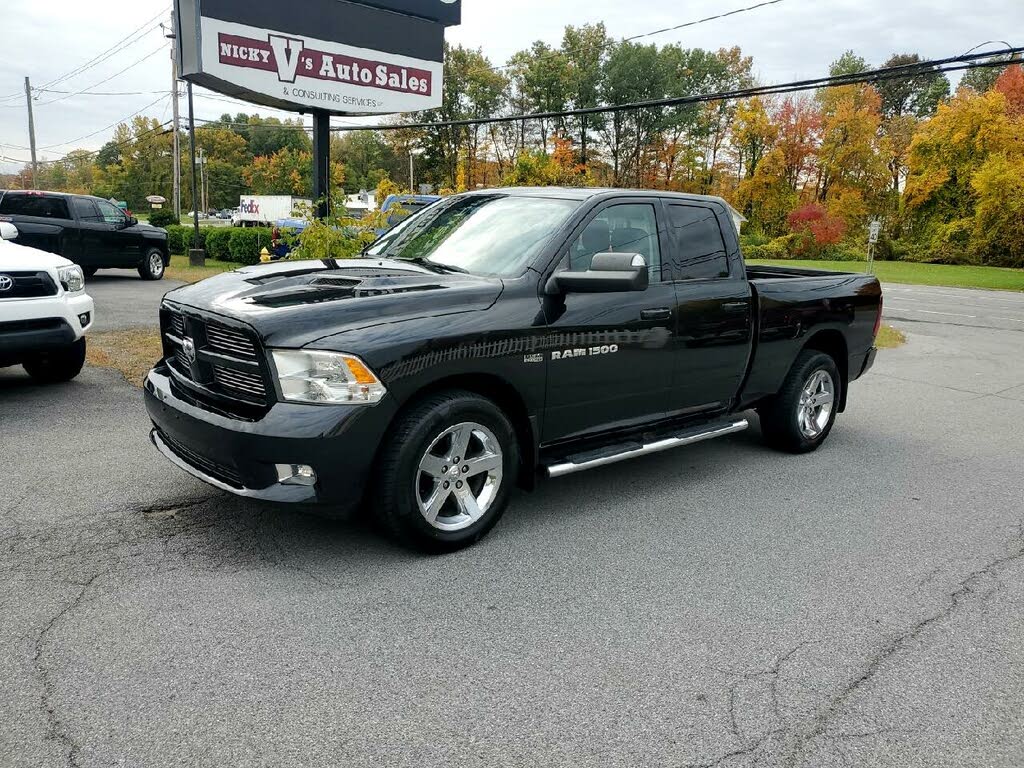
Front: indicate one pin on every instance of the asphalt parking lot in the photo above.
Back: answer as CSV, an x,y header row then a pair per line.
x,y
719,605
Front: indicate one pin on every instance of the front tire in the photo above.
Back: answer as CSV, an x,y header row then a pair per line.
x,y
152,267
801,416
58,365
446,472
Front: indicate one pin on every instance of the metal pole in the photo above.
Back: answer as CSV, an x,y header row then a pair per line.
x,y
176,120
321,162
31,130
412,179
196,256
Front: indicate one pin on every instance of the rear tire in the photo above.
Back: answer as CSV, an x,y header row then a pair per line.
x,y
424,496
801,416
58,365
152,267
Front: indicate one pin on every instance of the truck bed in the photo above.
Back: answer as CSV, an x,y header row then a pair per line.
x,y
767,272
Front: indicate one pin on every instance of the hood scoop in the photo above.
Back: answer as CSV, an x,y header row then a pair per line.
x,y
293,290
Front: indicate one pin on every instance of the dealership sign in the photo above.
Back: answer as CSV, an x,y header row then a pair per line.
x,y
367,57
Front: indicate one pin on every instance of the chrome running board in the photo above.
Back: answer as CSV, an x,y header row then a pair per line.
x,y
687,437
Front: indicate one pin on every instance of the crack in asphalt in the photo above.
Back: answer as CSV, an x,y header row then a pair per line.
x,y
794,742
56,728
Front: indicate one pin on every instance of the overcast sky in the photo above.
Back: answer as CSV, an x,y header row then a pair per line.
x,y
791,40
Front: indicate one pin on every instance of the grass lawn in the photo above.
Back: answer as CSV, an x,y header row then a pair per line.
x,y
132,353
889,338
995,278
180,269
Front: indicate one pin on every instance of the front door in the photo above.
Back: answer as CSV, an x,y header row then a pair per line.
x,y
124,244
608,355
92,249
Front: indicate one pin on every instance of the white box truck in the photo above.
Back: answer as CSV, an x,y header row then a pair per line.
x,y
264,210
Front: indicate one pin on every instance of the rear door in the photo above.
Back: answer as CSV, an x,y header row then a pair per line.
x,y
609,354
93,241
123,244
44,221
714,308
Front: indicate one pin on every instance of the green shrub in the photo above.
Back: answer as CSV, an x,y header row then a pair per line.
x,y
753,237
845,251
176,238
163,217
218,243
191,242
245,244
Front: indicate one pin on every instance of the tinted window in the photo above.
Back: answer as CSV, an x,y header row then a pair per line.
x,y
86,209
34,205
629,228
110,213
701,248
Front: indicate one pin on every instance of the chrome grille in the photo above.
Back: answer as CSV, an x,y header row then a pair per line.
x,y
228,341
239,381
227,363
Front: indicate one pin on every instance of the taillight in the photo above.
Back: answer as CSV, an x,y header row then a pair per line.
x,y
878,320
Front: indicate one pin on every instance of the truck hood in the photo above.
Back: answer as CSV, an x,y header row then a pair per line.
x,y
292,304
17,258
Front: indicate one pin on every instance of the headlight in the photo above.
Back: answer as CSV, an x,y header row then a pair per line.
x,y
71,278
325,377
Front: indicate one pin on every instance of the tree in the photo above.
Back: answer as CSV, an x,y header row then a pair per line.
x,y
287,172
848,64
584,49
542,73
981,77
1011,84
367,158
798,120
918,93
753,134
849,156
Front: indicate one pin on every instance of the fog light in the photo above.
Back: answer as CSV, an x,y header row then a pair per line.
x,y
295,474
84,319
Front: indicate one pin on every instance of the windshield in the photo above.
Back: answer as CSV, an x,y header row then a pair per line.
x,y
481,234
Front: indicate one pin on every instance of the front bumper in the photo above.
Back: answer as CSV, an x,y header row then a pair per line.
x,y
240,456
34,325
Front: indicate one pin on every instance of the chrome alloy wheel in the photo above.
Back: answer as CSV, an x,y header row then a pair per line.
x,y
459,477
817,399
156,264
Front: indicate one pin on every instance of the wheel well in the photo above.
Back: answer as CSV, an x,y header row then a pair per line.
x,y
833,344
507,398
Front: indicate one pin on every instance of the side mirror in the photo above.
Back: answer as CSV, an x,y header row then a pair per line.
x,y
608,273
131,221
8,231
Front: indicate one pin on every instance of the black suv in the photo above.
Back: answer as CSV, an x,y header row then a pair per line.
x,y
92,232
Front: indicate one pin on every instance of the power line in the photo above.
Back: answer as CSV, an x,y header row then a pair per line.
x,y
139,32
106,79
107,128
684,25
951,64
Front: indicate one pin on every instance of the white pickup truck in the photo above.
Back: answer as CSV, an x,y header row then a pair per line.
x,y
44,311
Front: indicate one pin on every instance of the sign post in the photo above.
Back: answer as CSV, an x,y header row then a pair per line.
x,y
874,230
329,57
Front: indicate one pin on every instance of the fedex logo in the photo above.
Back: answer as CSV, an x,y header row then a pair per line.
x,y
250,206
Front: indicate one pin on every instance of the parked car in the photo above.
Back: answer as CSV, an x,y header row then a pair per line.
x,y
89,231
498,337
399,207
44,311
227,213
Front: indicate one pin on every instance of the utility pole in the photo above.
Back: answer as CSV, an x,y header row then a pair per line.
x,y
412,186
31,130
196,256
176,122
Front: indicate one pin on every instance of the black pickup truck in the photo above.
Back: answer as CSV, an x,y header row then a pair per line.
x,y
494,338
90,231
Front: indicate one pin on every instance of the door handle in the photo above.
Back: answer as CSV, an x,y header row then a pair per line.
x,y
661,313
735,306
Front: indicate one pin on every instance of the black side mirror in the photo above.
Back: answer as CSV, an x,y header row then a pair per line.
x,y
608,273
131,221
